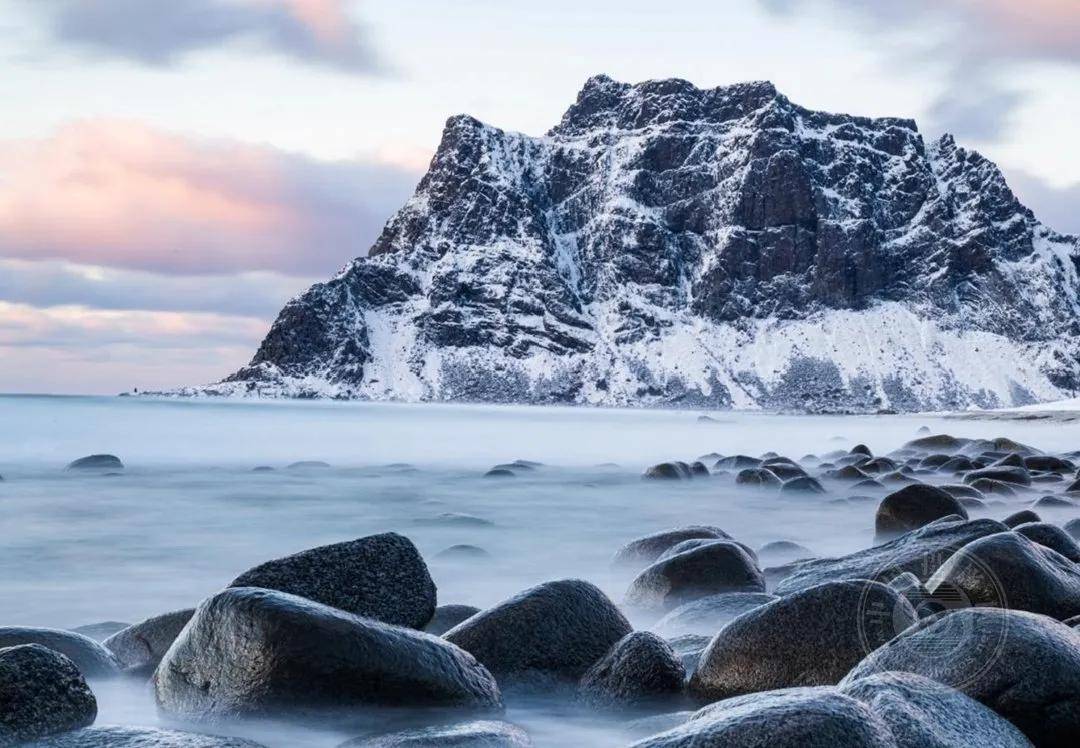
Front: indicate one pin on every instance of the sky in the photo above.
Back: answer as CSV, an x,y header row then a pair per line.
x,y
173,171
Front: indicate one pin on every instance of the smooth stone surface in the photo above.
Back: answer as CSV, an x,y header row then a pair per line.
x,y
812,637
477,734
1015,475
556,630
1023,517
42,693
92,659
920,552
708,615
640,668
378,576
1052,537
719,566
757,477
1024,666
1053,502
1008,570
913,507
802,484
96,462
117,736
258,652
448,616
141,646
669,471
645,550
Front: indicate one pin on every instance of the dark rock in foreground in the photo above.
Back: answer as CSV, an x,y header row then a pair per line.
x,y
1051,536
554,631
378,576
42,693
116,736
913,507
92,659
97,462
258,652
715,567
140,647
640,668
811,637
1024,666
1023,517
478,734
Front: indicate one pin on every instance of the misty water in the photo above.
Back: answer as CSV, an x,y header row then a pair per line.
x,y
188,514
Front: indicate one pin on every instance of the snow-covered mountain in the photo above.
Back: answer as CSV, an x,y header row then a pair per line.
x,y
668,245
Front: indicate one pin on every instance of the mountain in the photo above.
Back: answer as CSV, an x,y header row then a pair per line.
x,y
669,245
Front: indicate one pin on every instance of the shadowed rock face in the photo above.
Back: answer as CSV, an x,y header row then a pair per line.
x,y
42,693
729,222
113,736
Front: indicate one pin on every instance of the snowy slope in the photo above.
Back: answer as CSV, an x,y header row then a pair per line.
x,y
670,245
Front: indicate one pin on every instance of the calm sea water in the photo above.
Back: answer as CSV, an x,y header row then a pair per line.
x,y
188,514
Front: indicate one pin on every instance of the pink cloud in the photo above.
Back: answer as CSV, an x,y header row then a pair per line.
x,y
1039,28
121,194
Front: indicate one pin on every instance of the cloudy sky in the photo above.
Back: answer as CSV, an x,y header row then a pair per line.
x,y
171,171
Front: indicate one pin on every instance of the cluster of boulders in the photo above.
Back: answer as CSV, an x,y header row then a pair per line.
x,y
950,631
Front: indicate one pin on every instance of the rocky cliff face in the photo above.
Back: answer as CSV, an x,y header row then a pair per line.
x,y
667,245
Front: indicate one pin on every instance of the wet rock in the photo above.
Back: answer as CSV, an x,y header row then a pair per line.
x,y
1017,476
1009,460
972,504
811,637
802,484
477,734
92,659
879,466
378,576
555,631
100,631
934,461
42,693
669,471
114,736
869,485
252,652
957,465
861,449
649,548
993,487
849,473
913,507
920,552
784,471
737,462
937,443
708,615
140,647
97,462
961,491
448,616
757,477
462,552
640,668
1053,502
1009,570
897,478
500,472
1074,487
1023,517
689,545
1051,536
719,566
1025,667
1049,463
699,470
783,551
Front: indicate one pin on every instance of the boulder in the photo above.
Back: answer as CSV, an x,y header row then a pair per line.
x,y
689,545
378,576
308,465
1049,463
802,484
945,443
849,473
990,487
1024,666
448,616
477,734
878,466
920,552
100,631
957,465
645,550
555,631
1053,537
783,551
708,615
97,462
500,472
1053,502
737,462
913,507
809,638
719,566
669,471
140,647
1017,476
757,477
1023,517
257,652
961,491
640,668
115,736
462,552
1009,571
42,693
785,471
92,659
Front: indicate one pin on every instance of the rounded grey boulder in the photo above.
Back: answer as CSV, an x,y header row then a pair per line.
x,y
669,471
92,659
378,576
783,552
707,615
477,734
1051,536
1009,571
250,651
116,736
42,693
554,631
813,637
719,566
1024,666
448,616
757,477
1017,476
141,646
96,462
1023,517
643,551
640,668
913,507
